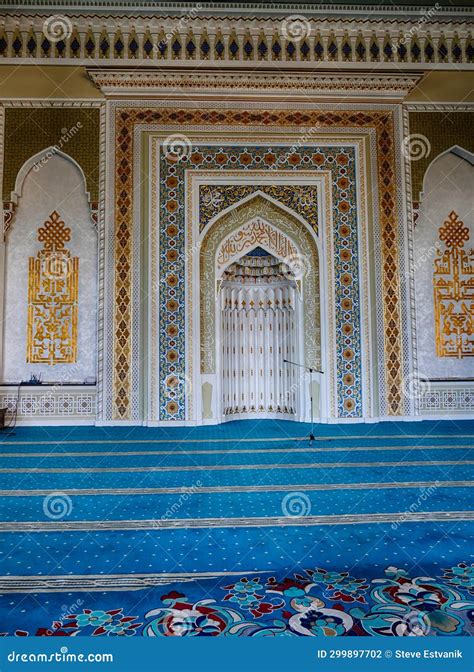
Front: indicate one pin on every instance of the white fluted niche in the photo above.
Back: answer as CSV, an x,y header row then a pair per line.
x,y
260,327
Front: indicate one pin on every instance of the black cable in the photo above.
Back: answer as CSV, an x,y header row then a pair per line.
x,y
12,423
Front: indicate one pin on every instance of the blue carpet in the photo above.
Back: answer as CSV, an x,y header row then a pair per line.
x,y
213,506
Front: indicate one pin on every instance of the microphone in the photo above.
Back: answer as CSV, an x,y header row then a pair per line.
x,y
309,368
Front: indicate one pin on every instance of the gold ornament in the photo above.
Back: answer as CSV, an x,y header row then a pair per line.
x,y
53,297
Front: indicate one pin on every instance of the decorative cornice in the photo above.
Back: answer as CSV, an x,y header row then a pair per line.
x,y
439,107
340,85
61,103
361,40
252,9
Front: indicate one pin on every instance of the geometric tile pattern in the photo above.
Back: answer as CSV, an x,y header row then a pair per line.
x,y
379,120
446,399
51,404
341,162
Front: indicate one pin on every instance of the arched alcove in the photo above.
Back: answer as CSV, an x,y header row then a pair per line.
x,y
259,331
36,163
441,278
259,223
50,275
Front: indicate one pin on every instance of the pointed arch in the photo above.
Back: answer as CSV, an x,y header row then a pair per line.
x,y
35,162
252,222
441,279
456,150
258,193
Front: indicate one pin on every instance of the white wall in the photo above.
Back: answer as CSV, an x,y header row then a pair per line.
x,y
56,185
448,185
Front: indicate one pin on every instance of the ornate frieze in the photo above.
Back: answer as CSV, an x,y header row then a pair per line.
x,y
441,398
355,85
302,199
289,40
51,402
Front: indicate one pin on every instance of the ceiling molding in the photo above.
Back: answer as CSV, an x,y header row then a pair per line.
x,y
376,8
200,83
439,107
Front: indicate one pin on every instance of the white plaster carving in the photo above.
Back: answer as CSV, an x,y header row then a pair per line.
x,y
55,185
447,187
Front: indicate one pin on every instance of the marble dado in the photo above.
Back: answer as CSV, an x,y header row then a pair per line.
x,y
42,404
441,398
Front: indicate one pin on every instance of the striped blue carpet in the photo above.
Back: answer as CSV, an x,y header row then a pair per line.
x,y
128,516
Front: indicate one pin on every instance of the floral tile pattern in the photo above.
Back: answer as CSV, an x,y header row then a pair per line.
x,y
213,198
341,162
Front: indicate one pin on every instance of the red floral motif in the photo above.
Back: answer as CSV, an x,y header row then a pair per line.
x,y
244,594
314,604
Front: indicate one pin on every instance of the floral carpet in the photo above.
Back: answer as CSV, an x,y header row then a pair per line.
x,y
316,603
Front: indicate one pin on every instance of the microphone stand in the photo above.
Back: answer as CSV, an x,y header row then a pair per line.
x,y
310,369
